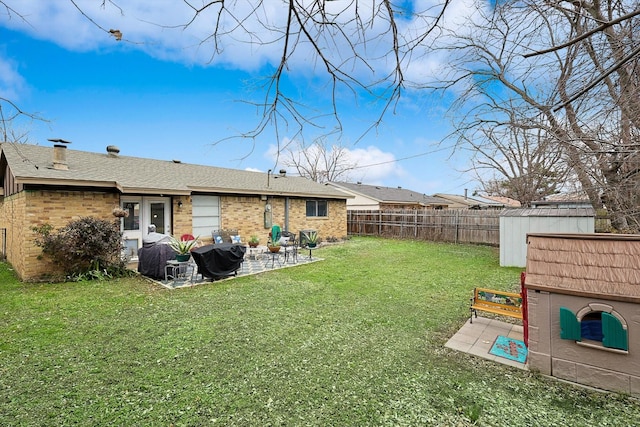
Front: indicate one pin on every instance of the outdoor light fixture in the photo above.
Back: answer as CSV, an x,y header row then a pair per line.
x,y
180,204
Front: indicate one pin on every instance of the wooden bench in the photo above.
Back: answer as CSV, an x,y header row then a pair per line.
x,y
496,302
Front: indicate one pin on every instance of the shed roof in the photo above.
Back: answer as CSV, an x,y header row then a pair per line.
x,y
33,164
599,265
548,212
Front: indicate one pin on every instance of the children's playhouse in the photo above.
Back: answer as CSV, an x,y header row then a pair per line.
x,y
583,296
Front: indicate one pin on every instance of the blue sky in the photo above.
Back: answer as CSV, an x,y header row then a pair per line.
x,y
154,95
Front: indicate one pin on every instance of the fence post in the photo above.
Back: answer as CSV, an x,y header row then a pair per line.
x,y
457,220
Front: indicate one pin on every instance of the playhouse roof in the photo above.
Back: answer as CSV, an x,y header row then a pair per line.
x,y
599,265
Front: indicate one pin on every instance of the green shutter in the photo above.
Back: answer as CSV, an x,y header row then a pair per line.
x,y
569,325
615,336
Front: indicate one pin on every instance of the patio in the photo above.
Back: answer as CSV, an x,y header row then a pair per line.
x,y
478,339
255,261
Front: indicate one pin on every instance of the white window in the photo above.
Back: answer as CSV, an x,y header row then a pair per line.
x,y
206,215
317,208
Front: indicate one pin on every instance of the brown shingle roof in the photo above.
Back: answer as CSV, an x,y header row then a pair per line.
x,y
390,194
599,265
33,164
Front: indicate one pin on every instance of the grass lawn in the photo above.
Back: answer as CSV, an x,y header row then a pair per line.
x,y
354,340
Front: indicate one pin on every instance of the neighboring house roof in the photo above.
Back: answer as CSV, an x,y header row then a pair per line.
x,y
391,195
467,201
573,196
561,200
33,164
507,201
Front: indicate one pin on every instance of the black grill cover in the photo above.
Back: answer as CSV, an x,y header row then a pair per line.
x,y
221,260
153,258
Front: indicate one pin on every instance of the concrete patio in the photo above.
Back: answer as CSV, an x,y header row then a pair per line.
x,y
478,337
255,262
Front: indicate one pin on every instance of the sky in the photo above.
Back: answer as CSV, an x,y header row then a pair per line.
x,y
159,93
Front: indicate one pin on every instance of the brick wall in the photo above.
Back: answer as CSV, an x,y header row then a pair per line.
x,y
246,214
12,214
182,216
36,208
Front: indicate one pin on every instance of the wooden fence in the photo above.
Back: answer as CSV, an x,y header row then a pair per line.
x,y
452,225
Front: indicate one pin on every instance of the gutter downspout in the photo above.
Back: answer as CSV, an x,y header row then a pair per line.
x,y
286,213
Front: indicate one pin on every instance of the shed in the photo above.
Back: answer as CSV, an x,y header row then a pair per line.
x,y
515,224
583,305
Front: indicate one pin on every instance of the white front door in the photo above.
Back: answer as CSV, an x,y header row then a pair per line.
x,y
143,211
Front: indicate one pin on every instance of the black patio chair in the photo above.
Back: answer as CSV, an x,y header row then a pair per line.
x,y
291,248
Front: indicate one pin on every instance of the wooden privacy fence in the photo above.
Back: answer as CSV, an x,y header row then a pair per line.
x,y
452,225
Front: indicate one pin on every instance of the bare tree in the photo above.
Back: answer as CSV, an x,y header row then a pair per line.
x,y
596,135
319,162
518,163
362,48
13,127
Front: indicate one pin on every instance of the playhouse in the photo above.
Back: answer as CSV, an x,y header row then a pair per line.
x,y
583,297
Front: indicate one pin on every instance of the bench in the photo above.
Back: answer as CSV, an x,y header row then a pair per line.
x,y
496,302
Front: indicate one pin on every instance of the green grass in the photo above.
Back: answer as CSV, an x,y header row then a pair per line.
x,y
357,339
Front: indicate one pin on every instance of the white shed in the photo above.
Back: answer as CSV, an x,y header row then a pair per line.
x,y
515,224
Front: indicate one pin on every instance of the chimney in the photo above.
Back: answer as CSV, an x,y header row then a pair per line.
x,y
113,150
60,154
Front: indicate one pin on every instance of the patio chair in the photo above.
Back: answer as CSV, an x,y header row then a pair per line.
x,y
291,247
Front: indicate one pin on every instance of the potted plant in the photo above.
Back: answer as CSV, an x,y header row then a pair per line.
x,y
312,239
182,248
274,246
118,212
254,241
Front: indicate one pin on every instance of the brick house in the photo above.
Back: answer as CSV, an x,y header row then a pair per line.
x,y
56,185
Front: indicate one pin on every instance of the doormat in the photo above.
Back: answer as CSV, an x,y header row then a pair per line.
x,y
509,349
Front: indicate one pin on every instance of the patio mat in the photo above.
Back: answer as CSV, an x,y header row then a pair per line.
x,y
509,349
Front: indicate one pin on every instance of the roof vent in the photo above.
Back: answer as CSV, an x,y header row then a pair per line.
x,y
283,172
60,154
177,161
113,150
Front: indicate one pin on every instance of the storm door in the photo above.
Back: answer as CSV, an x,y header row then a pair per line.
x,y
142,212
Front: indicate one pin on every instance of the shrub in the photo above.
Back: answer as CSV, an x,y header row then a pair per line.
x,y
87,248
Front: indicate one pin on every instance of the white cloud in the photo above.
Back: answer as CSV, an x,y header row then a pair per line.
x,y
372,165
252,37
12,84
